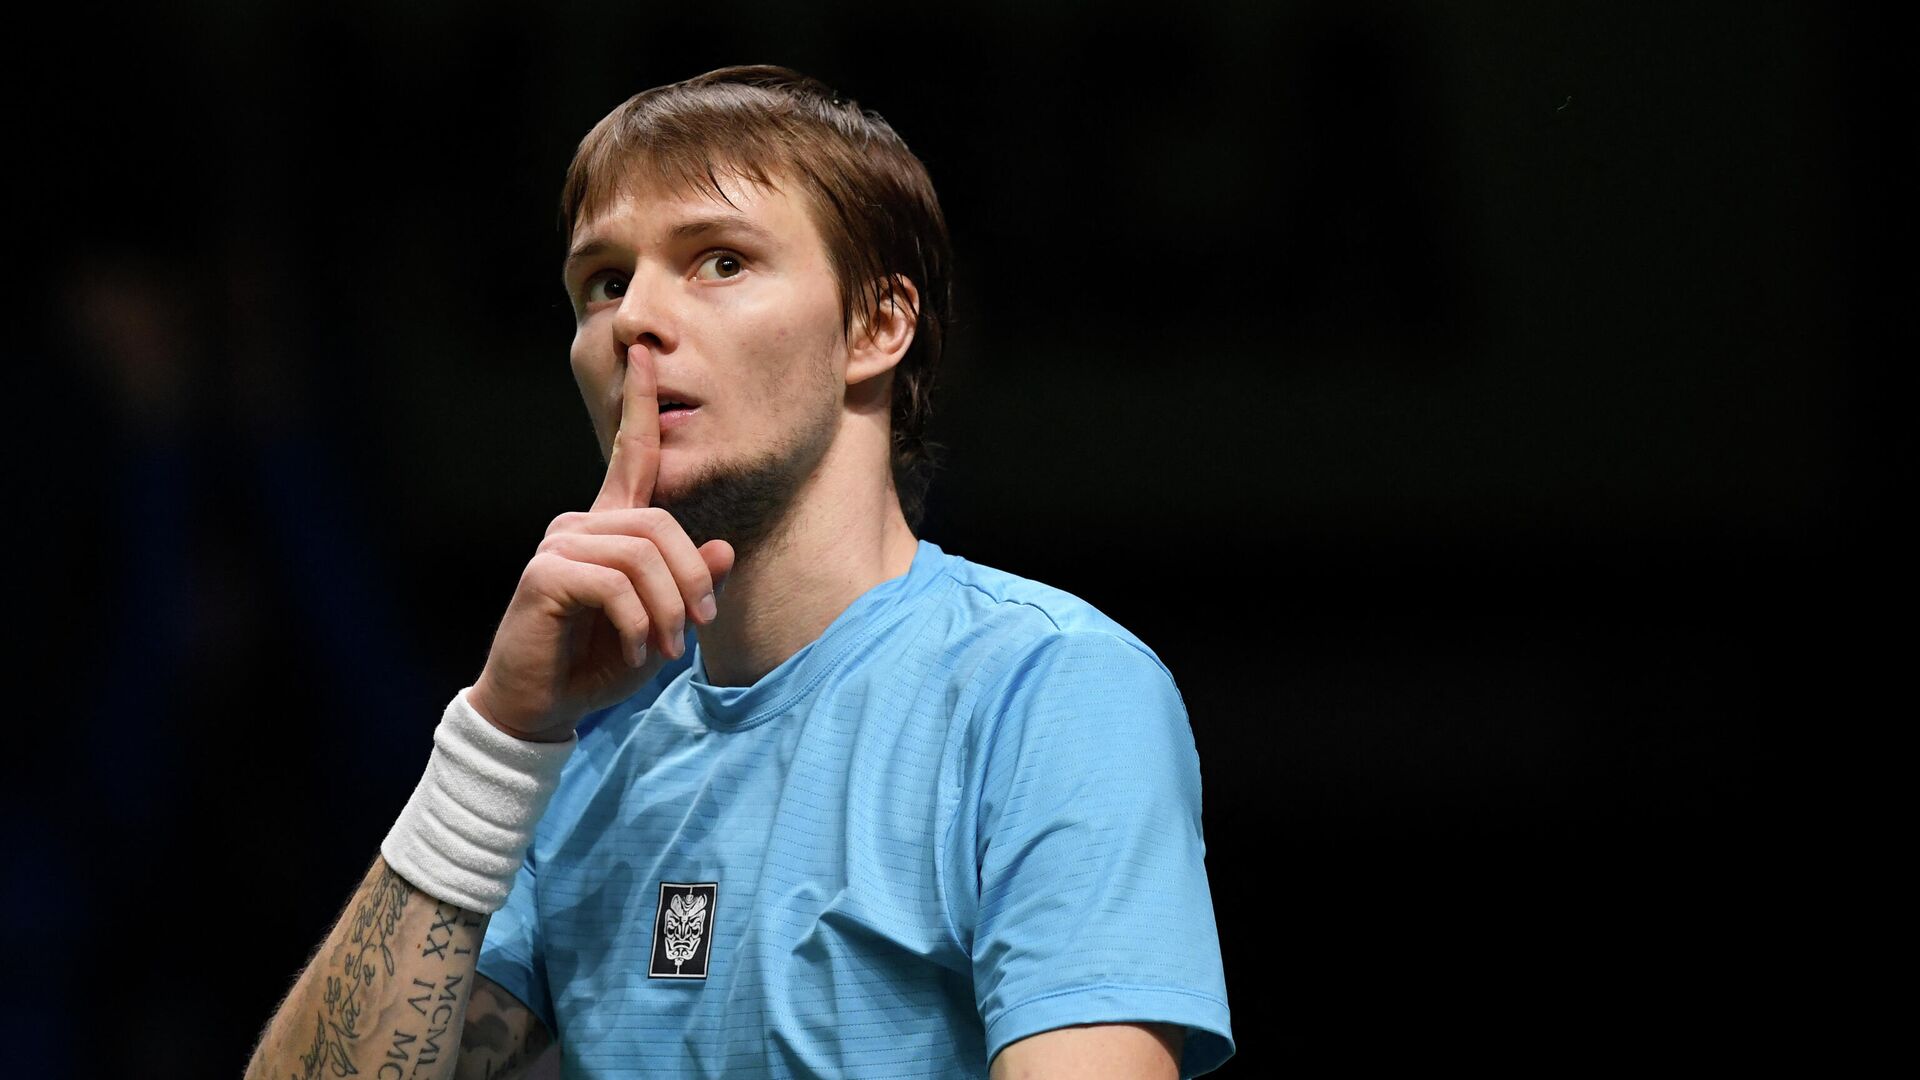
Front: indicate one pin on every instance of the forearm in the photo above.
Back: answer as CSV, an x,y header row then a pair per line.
x,y
385,996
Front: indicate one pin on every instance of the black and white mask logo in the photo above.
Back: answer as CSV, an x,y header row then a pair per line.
x,y
683,930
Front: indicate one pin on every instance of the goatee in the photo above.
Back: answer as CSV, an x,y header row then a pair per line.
x,y
746,503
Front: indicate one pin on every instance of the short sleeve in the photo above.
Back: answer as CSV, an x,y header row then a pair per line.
x,y
1093,903
510,954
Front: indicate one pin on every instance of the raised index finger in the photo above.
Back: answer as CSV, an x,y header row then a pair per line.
x,y
635,460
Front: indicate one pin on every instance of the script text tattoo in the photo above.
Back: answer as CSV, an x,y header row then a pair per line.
x,y
361,969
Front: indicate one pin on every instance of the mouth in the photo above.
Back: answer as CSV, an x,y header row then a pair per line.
x,y
672,399
674,414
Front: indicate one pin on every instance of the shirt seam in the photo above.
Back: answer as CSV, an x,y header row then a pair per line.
x,y
1055,623
998,599
946,842
999,682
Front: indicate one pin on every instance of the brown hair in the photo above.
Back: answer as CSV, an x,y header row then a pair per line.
x,y
870,197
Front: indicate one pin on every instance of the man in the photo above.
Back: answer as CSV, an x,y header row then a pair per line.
x,y
872,810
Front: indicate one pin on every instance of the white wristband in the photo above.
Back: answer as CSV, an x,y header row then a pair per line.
x,y
464,832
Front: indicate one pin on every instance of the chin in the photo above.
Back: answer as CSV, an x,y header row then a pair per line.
x,y
669,485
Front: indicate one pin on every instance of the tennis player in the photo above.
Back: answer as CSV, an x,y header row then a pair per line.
x,y
755,782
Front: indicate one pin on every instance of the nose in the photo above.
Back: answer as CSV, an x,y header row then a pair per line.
x,y
645,314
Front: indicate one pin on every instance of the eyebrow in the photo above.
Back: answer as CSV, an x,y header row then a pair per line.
x,y
685,230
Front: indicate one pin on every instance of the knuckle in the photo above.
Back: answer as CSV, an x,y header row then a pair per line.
x,y
566,522
545,573
671,609
644,549
611,578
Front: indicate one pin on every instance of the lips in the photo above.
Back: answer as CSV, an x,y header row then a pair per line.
x,y
672,400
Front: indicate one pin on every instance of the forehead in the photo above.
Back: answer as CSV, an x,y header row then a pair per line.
x,y
645,210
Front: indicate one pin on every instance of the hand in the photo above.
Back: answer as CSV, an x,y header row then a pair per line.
x,y
604,603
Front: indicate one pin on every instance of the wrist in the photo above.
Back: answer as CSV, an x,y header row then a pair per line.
x,y
527,729
464,832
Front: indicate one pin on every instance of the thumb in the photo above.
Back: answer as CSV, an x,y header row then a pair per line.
x,y
719,556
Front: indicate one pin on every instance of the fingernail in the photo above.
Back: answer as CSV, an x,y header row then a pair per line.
x,y
706,608
640,657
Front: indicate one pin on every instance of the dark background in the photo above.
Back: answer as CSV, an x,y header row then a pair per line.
x,y
1471,408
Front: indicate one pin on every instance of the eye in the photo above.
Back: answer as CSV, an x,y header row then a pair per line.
x,y
726,263
615,282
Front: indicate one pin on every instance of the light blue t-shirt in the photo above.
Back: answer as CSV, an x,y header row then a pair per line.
x,y
967,813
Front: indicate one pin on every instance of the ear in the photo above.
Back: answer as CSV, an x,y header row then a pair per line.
x,y
881,340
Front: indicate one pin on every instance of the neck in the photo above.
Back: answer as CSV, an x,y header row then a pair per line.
x,y
844,534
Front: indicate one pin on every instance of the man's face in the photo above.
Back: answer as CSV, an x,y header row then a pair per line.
x,y
740,310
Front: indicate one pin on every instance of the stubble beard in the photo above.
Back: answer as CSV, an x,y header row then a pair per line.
x,y
749,504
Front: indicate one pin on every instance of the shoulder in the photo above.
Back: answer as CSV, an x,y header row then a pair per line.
x,y
1044,668
1010,622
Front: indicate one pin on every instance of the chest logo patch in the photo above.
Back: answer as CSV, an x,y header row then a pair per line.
x,y
683,930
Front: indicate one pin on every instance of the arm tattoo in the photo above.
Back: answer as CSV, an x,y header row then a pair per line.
x,y
389,1000
501,1037
368,955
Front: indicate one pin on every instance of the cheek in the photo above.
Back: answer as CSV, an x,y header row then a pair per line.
x,y
579,372
576,359
770,344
